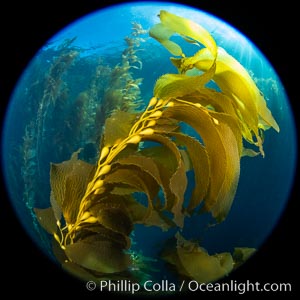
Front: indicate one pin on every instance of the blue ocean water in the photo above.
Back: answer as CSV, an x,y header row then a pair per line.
x,y
96,40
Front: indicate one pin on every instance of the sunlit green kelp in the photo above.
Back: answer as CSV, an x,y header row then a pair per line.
x,y
94,207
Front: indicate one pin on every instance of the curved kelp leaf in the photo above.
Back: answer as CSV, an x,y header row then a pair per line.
x,y
162,34
163,157
57,209
194,262
171,23
111,212
228,189
97,232
138,212
187,65
178,180
233,123
223,155
115,219
138,179
100,256
147,164
46,218
204,267
69,180
75,189
117,127
215,100
200,164
179,85
235,81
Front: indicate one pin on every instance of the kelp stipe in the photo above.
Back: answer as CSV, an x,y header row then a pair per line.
x,y
94,208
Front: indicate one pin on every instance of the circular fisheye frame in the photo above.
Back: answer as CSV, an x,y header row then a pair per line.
x,y
147,147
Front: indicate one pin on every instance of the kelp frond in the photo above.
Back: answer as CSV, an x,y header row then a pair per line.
x,y
97,204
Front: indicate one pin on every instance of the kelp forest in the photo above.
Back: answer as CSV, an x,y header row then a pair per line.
x,y
120,157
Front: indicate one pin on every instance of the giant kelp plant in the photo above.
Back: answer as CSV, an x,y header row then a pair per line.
x,y
62,115
94,207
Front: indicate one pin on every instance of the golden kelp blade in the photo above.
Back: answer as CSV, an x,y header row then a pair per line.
x,y
116,220
185,65
137,179
188,28
230,75
179,85
163,34
178,180
223,153
149,165
204,267
99,256
235,81
193,261
200,164
69,180
138,213
46,218
228,189
117,127
172,24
